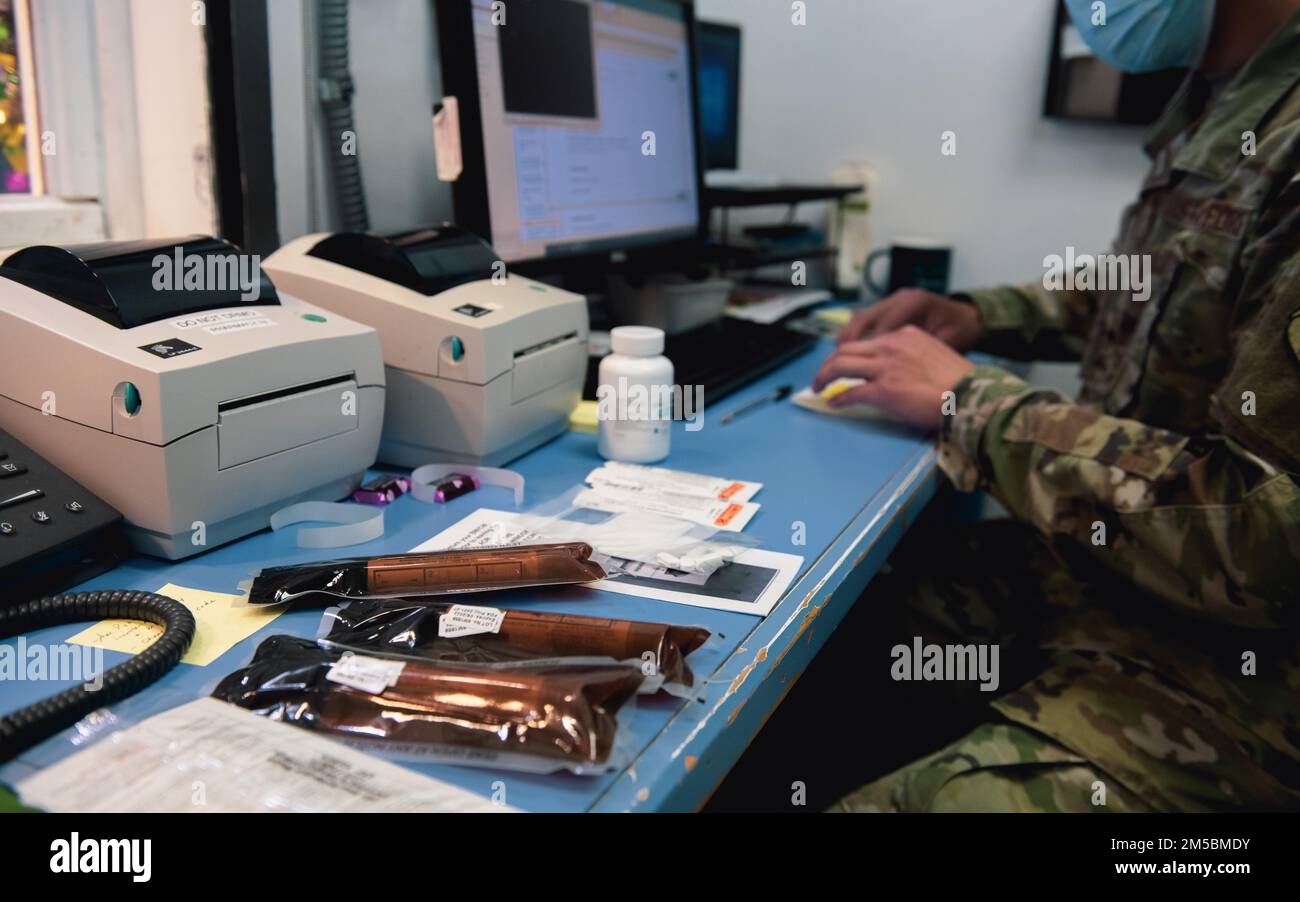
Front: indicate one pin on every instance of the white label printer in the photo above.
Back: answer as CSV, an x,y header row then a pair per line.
x,y
173,381
482,366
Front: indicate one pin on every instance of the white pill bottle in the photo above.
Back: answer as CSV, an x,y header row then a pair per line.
x,y
634,397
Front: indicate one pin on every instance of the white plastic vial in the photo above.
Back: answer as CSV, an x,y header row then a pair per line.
x,y
635,397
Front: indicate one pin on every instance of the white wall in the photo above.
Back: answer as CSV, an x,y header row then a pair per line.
x,y
881,80
123,94
395,68
293,118
169,56
395,64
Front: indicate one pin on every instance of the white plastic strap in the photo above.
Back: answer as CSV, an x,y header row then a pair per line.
x,y
358,523
426,479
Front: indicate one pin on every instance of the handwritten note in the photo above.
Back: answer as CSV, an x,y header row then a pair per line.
x,y
222,623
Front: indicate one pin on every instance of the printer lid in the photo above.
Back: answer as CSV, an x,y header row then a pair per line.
x,y
115,280
429,261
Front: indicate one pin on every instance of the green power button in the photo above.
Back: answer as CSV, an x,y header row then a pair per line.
x,y
313,317
457,349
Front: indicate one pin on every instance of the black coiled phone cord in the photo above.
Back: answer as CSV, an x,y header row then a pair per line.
x,y
27,726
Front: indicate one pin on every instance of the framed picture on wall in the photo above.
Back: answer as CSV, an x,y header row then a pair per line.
x,y
1081,86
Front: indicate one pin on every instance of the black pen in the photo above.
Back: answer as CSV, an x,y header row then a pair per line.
x,y
780,394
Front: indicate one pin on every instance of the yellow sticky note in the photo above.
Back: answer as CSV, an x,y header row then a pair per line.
x,y
836,316
221,625
585,417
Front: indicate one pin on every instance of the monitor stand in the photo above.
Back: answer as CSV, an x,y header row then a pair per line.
x,y
737,178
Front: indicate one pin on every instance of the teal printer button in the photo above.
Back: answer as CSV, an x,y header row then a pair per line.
x,y
131,399
457,349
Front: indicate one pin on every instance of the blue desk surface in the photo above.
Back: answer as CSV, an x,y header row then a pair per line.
x,y
850,489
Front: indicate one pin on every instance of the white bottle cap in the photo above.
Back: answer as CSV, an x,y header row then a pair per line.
x,y
638,341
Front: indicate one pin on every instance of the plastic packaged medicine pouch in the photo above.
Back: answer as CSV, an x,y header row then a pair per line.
x,y
428,573
630,535
537,720
411,628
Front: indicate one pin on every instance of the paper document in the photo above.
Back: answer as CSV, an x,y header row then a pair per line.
x,y
752,584
222,621
210,756
777,307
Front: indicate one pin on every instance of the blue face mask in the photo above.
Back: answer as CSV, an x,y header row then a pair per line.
x,y
1145,35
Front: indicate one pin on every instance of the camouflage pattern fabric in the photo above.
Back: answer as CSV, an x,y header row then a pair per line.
x,y
1200,522
1172,483
1114,688
999,768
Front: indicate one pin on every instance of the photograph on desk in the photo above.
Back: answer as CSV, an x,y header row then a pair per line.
x,y
653,406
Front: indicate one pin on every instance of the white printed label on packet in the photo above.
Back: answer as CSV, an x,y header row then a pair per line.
x,y
372,675
728,516
469,620
638,478
207,321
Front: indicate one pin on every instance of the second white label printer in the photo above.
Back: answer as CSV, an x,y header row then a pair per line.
x,y
172,380
483,366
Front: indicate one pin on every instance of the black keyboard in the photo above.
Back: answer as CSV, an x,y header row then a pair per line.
x,y
724,356
53,533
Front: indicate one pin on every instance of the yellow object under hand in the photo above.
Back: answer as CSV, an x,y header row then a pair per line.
x,y
820,402
837,316
839,387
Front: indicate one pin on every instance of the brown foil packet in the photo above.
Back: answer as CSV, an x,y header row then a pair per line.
x,y
428,573
535,719
409,628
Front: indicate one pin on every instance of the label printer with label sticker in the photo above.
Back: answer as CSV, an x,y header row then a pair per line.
x,y
173,381
483,366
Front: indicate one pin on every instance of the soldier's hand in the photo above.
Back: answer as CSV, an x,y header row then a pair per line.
x,y
906,373
955,323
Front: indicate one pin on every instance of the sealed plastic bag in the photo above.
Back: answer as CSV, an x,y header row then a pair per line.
x,y
629,534
244,763
450,633
428,573
534,719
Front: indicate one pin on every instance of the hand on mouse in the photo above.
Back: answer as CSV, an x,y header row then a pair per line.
x,y
907,373
955,323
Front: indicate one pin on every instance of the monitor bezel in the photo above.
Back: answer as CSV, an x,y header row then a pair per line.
x,y
470,191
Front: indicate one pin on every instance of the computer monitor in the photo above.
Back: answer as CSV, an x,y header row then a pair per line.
x,y
718,49
578,123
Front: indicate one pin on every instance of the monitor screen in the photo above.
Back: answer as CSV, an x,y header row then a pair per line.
x,y
718,73
588,124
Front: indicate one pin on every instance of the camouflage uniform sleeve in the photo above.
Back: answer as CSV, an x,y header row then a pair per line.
x,y
1027,322
1203,524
